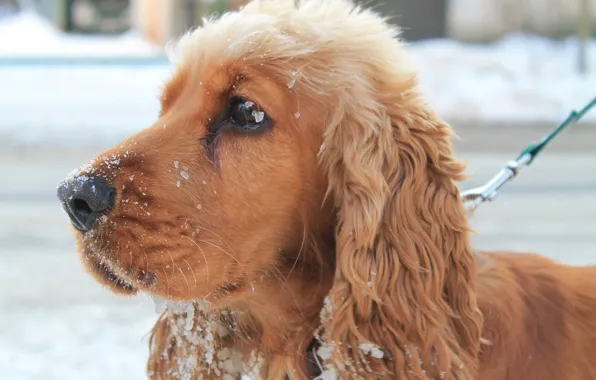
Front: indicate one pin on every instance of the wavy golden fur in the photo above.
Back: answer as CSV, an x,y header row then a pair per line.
x,y
331,242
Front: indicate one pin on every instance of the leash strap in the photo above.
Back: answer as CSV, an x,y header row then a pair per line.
x,y
475,197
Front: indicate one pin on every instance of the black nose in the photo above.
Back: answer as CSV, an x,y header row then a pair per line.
x,y
85,200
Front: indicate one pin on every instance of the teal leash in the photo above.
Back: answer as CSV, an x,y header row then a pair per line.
x,y
475,197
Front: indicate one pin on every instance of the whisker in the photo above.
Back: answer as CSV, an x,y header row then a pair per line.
x,y
302,244
209,230
185,279
285,284
191,271
231,256
171,258
167,282
146,260
202,253
222,250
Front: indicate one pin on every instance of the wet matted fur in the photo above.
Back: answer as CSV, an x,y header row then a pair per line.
x,y
333,225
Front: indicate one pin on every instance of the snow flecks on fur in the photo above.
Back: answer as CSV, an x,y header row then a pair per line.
x,y
325,350
327,309
198,335
331,364
105,166
371,349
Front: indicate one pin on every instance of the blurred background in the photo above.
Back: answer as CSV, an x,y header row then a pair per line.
x,y
77,76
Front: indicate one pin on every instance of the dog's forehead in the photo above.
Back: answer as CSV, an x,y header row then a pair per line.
x,y
220,41
315,37
263,30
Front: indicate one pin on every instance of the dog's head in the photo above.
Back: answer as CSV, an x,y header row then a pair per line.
x,y
281,124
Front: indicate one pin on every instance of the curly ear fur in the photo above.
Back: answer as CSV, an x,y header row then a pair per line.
x,y
404,282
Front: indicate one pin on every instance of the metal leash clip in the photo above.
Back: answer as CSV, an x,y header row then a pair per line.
x,y
473,198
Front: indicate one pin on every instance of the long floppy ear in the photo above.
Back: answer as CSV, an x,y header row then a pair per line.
x,y
403,299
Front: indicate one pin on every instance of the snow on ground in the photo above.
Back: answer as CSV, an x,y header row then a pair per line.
x,y
73,104
519,79
27,34
91,342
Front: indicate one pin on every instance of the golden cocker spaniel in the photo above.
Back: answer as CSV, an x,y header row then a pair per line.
x,y
295,207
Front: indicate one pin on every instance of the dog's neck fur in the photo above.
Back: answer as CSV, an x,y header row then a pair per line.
x,y
284,309
279,317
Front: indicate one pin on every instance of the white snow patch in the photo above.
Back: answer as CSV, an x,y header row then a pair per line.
x,y
521,78
324,352
28,34
376,352
328,374
369,348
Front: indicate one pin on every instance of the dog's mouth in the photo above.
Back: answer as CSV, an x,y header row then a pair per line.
x,y
108,275
113,278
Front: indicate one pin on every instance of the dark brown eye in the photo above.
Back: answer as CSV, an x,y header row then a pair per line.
x,y
246,114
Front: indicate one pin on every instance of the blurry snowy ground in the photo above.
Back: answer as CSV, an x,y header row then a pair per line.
x,y
57,323
28,35
520,79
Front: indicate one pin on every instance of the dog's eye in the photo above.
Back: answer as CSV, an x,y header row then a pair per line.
x,y
246,114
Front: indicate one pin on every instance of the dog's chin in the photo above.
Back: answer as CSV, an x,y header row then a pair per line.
x,y
113,281
103,273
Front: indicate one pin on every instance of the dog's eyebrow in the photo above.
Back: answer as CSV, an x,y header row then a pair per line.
x,y
238,80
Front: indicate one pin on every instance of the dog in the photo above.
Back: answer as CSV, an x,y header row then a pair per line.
x,y
295,209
